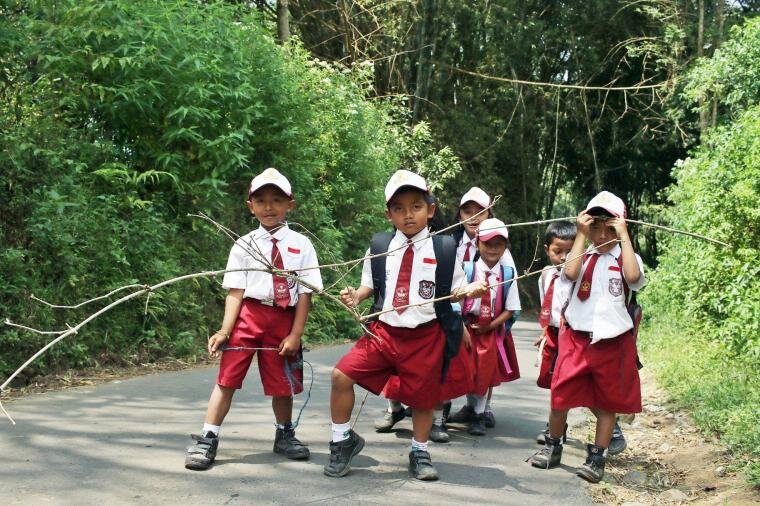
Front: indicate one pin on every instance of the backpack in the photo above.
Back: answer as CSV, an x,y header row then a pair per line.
x,y
507,272
445,250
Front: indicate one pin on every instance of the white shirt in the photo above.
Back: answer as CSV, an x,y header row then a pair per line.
x,y
296,250
604,313
421,285
480,275
562,288
464,242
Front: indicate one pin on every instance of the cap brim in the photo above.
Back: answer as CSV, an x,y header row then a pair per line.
x,y
283,190
490,235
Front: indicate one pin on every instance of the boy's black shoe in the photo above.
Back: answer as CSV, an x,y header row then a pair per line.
x,y
439,434
388,420
201,455
286,443
617,443
593,469
464,415
488,419
549,456
541,437
421,466
341,454
476,428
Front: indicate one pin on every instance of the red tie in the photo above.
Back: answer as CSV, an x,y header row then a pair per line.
x,y
279,283
545,317
401,293
484,318
585,289
467,253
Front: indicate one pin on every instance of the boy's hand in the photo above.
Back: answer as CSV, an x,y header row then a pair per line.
x,y
290,345
620,226
466,339
215,342
348,297
583,223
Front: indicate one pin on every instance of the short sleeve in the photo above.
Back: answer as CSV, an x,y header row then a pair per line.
x,y
311,275
513,298
638,285
236,260
367,272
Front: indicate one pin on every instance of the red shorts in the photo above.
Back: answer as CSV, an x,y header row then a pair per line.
x,y
548,357
600,375
414,355
260,326
485,358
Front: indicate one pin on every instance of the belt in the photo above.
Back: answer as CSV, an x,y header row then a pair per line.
x,y
270,303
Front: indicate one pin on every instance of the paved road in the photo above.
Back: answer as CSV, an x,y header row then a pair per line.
x,y
124,441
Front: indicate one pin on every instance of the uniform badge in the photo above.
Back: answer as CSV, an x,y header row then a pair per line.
x,y
485,312
291,282
427,289
586,286
616,287
280,291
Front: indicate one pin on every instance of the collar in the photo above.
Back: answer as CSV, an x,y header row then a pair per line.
x,y
416,242
466,239
280,233
616,251
496,271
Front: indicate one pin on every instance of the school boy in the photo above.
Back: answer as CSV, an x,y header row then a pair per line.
x,y
410,339
262,310
486,318
596,366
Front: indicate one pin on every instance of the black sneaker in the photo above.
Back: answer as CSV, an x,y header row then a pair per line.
x,y
341,454
408,411
593,469
549,456
476,428
439,434
617,443
541,437
388,420
286,443
488,419
201,455
464,415
421,466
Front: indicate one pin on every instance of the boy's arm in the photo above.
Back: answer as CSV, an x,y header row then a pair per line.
x,y
631,271
232,304
573,267
292,342
353,297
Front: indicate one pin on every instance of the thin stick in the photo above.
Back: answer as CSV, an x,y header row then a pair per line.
x,y
56,306
361,406
682,232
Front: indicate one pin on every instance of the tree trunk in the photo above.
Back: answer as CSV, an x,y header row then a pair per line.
x,y
718,41
704,119
283,23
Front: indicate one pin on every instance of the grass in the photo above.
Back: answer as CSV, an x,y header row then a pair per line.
x,y
721,394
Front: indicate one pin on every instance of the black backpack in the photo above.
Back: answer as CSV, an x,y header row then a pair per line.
x,y
445,249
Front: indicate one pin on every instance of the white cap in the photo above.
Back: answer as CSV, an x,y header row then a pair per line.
x,y
476,195
273,177
404,178
490,228
609,202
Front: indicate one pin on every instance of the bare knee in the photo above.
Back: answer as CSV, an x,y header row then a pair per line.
x,y
340,381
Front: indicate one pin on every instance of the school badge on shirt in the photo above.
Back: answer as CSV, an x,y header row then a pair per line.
x,y
427,289
616,287
585,286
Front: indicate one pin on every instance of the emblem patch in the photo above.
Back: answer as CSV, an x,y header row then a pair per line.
x,y
280,291
616,287
427,289
291,282
585,286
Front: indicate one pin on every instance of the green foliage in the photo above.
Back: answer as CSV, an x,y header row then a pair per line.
x,y
118,118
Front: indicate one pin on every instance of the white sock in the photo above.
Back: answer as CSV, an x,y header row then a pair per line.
x,y
394,406
480,404
488,406
416,445
207,427
472,400
438,417
340,431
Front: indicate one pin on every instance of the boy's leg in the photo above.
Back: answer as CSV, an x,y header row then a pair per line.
x,y
285,440
438,432
420,464
345,444
342,397
202,454
593,469
617,443
605,423
551,454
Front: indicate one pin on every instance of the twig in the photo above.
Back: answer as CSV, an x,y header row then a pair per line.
x,y
56,306
675,231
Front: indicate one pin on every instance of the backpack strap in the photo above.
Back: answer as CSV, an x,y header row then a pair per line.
x,y
379,244
469,270
445,249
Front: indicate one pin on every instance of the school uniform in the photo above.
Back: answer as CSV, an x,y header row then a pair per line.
x,y
268,309
596,365
553,290
408,344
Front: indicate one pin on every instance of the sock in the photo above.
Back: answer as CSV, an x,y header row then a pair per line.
x,y
480,404
394,406
207,427
416,445
283,426
340,431
438,417
472,400
488,406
